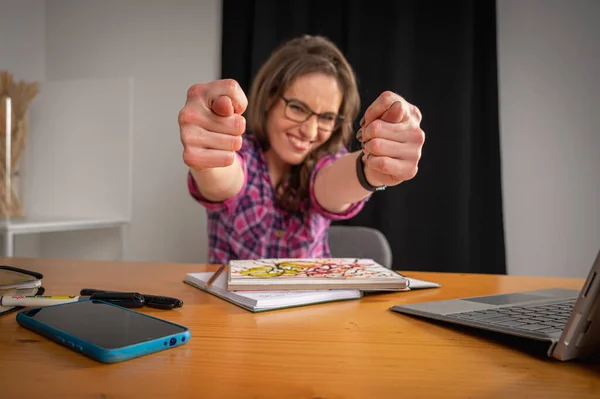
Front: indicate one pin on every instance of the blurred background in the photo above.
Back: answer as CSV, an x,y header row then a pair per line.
x,y
509,181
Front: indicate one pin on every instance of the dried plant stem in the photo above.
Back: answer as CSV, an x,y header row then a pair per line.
x,y
20,94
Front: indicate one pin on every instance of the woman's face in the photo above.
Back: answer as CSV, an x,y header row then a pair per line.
x,y
293,128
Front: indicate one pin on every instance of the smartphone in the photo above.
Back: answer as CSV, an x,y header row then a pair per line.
x,y
105,332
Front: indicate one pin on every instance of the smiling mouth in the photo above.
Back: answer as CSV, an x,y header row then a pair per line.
x,y
298,144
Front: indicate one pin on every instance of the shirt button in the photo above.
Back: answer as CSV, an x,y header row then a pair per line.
x,y
279,233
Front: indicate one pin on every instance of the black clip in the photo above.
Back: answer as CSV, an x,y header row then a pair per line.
x,y
124,299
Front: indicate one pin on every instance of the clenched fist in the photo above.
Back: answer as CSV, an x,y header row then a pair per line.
x,y
211,124
392,140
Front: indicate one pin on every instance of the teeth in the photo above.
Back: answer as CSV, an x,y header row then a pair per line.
x,y
299,143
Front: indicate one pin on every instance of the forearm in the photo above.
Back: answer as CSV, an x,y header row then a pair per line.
x,y
336,185
219,184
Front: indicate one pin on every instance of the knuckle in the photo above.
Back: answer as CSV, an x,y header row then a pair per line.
x,y
186,116
191,138
195,90
181,116
418,154
231,85
412,172
385,165
375,128
186,137
190,158
419,136
389,95
417,113
375,146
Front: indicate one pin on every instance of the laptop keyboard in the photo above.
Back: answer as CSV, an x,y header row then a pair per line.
x,y
545,319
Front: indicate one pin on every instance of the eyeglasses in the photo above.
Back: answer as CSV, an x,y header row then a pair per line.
x,y
299,112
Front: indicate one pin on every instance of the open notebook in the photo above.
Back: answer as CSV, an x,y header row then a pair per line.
x,y
259,301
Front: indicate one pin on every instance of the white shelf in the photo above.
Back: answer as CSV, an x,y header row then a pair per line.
x,y
67,189
32,225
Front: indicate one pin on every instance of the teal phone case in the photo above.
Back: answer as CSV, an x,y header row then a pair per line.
x,y
104,355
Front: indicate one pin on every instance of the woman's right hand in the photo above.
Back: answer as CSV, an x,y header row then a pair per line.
x,y
211,124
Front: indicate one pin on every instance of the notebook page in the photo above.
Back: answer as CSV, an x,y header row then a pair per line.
x,y
272,298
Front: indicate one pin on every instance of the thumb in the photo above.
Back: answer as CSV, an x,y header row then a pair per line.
x,y
222,106
396,113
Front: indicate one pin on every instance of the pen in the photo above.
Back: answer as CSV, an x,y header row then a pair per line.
x,y
42,300
151,301
214,277
124,299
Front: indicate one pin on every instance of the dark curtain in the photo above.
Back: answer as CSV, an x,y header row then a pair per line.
x,y
440,56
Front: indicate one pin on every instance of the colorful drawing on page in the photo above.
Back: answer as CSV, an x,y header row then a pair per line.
x,y
303,268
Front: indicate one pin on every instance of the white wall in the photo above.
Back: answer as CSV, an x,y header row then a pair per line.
x,y
549,65
165,46
549,100
79,164
23,53
22,38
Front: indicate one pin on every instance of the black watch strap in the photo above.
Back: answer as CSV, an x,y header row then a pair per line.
x,y
362,179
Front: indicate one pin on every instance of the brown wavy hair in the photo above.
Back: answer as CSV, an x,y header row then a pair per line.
x,y
294,58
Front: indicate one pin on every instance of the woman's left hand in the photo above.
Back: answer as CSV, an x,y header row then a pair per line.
x,y
392,140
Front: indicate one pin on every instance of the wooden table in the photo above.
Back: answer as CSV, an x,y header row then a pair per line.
x,y
352,349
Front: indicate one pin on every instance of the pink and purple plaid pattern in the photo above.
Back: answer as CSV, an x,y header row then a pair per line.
x,y
251,226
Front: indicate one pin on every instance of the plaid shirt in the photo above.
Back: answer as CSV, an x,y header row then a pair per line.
x,y
251,226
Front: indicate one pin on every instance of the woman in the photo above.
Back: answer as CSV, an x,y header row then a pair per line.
x,y
272,191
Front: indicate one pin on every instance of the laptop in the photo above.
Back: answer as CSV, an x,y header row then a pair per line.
x,y
568,320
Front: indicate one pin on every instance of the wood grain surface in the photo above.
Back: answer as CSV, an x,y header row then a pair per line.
x,y
352,349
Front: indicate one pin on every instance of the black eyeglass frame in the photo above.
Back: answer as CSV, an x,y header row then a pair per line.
x,y
339,119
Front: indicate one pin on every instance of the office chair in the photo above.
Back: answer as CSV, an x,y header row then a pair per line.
x,y
360,242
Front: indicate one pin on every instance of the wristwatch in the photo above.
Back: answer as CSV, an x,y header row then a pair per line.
x,y
362,179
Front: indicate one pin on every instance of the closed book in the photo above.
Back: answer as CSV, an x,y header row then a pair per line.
x,y
21,282
313,274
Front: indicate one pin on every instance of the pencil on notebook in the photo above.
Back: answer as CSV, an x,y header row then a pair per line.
x,y
216,275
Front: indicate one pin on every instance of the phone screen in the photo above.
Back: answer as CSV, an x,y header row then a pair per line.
x,y
104,325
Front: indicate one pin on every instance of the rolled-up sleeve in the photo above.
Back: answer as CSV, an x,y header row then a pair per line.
x,y
230,204
352,210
